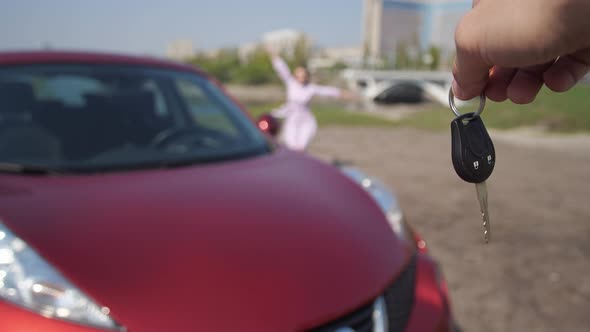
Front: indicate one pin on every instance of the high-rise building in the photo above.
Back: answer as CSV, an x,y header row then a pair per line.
x,y
418,24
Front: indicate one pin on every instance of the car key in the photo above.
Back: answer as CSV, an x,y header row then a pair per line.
x,y
473,155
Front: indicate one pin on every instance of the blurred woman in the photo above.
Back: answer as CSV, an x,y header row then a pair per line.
x,y
300,125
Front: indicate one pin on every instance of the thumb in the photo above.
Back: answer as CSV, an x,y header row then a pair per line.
x,y
470,70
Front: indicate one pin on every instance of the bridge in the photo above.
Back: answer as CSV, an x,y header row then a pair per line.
x,y
387,86
400,85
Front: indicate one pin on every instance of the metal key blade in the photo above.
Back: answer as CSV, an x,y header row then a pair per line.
x,y
482,197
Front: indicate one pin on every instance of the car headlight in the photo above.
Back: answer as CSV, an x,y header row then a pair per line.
x,y
29,281
384,198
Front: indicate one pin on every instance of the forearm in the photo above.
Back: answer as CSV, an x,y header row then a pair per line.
x,y
327,91
281,68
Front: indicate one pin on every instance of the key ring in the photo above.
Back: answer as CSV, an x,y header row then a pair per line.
x,y
482,104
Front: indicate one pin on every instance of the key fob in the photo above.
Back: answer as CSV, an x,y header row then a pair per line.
x,y
473,151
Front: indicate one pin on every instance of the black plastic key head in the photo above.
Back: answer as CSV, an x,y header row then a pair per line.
x,y
473,151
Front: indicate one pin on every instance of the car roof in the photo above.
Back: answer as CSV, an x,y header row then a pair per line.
x,y
82,57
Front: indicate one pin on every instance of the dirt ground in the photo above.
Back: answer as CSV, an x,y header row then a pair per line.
x,y
535,274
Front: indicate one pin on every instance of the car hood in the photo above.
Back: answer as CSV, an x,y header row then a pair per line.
x,y
279,243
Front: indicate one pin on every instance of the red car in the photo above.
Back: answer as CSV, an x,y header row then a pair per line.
x,y
135,195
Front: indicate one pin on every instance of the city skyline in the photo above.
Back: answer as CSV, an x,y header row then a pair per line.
x,y
149,26
415,24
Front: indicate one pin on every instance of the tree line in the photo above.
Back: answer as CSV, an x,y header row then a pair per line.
x,y
255,68
229,66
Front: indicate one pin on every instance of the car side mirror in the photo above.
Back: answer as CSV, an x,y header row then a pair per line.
x,y
268,124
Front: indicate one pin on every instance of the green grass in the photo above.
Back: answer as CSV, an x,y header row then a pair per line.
x,y
333,115
564,113
568,112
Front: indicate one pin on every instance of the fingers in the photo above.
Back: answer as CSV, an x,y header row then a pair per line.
x,y
521,86
497,87
526,83
567,71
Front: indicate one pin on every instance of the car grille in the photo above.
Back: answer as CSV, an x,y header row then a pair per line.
x,y
399,299
360,321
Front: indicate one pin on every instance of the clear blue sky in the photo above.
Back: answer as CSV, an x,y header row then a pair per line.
x,y
147,26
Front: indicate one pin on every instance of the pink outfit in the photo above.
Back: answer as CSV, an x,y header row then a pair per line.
x,y
300,124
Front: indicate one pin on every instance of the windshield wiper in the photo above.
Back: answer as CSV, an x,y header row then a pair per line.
x,y
25,169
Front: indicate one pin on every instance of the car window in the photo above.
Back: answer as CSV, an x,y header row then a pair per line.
x,y
160,106
110,117
67,89
205,111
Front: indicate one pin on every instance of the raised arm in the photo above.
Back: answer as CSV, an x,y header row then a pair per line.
x,y
279,66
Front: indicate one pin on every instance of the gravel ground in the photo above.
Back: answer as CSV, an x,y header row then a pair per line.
x,y
535,275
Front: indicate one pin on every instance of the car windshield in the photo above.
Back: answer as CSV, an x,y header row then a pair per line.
x,y
93,118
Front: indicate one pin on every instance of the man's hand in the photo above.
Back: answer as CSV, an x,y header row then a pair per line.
x,y
510,48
